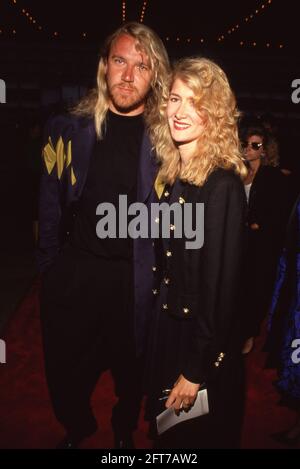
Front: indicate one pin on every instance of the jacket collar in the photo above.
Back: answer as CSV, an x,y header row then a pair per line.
x,y
83,142
147,171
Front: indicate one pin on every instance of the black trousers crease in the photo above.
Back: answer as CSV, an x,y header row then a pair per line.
x,y
88,327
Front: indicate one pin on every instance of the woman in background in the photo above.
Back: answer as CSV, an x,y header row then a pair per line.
x,y
196,337
266,190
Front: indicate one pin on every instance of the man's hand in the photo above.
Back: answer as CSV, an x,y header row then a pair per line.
x,y
183,394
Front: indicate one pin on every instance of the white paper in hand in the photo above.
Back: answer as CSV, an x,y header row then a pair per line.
x,y
168,418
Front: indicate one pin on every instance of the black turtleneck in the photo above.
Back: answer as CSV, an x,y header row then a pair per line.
x,y
112,172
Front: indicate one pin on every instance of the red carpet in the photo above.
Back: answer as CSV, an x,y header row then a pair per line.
x,y
26,418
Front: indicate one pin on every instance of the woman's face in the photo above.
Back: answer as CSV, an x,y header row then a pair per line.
x,y
185,123
253,148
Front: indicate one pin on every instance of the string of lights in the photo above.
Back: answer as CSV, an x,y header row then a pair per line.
x,y
170,39
123,11
179,40
27,15
143,11
268,45
183,40
10,31
33,21
245,43
247,20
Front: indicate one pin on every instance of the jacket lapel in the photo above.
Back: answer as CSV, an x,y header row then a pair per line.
x,y
147,171
83,142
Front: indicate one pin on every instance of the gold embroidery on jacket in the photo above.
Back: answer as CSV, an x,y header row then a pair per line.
x,y
73,178
49,156
159,186
69,155
58,156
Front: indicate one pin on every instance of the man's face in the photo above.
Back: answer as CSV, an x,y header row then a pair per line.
x,y
128,76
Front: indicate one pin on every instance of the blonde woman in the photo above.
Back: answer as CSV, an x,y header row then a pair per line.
x,y
196,339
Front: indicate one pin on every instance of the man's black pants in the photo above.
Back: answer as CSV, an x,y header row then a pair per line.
x,y
88,327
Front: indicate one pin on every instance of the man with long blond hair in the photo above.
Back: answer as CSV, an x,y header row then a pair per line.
x,y
96,292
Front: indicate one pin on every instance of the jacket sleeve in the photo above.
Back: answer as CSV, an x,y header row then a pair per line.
x,y
49,203
220,269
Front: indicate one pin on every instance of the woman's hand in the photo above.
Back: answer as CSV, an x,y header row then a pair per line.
x,y
183,394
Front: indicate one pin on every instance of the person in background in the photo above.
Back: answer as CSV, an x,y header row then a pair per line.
x,y
282,142
283,341
266,190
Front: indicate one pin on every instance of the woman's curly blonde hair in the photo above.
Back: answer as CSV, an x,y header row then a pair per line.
x,y
218,145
